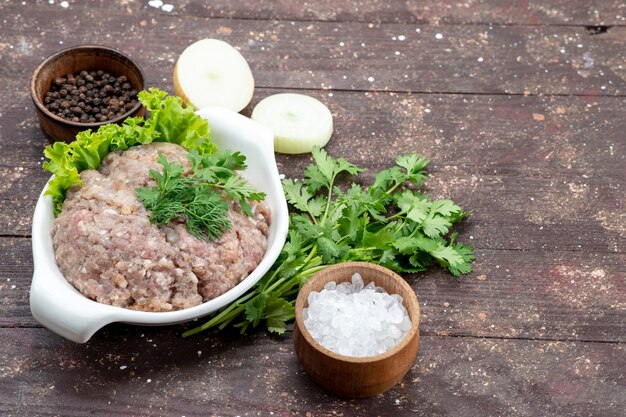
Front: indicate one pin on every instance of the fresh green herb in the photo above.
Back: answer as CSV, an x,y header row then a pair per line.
x,y
390,223
197,197
169,122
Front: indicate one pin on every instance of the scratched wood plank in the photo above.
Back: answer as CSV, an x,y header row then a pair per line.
x,y
16,271
532,12
356,56
512,294
146,373
430,11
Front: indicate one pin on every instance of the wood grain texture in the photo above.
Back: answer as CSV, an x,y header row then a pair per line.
x,y
527,12
435,12
139,372
355,56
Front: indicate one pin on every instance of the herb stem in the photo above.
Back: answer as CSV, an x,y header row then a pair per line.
x,y
309,257
234,309
329,199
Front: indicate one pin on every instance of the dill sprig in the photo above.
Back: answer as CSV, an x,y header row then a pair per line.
x,y
198,197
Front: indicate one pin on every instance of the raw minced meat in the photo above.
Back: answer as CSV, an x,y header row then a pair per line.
x,y
108,250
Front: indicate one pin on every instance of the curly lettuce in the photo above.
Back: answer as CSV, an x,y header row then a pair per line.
x,y
169,121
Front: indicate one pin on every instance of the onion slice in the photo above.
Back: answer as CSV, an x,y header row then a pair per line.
x,y
299,122
210,72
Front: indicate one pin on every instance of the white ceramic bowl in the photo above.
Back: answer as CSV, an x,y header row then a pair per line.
x,y
62,309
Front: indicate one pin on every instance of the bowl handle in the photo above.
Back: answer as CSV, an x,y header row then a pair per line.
x,y
76,318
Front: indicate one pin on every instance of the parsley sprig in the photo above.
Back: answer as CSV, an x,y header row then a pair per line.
x,y
197,197
390,223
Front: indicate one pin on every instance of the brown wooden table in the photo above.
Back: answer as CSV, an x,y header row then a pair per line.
x,y
519,105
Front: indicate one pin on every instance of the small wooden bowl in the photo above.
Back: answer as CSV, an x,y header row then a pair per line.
x,y
71,61
350,376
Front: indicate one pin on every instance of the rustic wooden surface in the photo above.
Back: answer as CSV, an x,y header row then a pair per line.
x,y
519,105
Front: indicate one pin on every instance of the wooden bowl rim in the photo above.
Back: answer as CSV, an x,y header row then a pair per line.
x,y
86,48
301,300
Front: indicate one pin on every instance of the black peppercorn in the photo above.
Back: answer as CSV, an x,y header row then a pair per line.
x,y
90,96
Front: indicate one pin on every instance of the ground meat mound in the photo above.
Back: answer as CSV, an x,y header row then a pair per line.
x,y
108,250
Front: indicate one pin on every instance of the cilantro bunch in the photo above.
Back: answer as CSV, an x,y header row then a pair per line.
x,y
390,223
197,197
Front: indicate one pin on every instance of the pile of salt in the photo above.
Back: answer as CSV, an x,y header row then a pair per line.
x,y
356,320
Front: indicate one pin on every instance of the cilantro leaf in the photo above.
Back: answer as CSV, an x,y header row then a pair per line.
x,y
297,195
414,205
328,168
385,179
408,244
314,178
304,227
380,239
453,259
254,309
277,312
330,251
445,207
435,225
316,205
414,166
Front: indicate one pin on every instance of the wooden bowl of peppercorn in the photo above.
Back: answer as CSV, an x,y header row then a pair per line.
x,y
85,87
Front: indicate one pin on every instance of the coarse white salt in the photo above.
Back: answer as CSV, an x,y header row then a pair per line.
x,y
354,319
